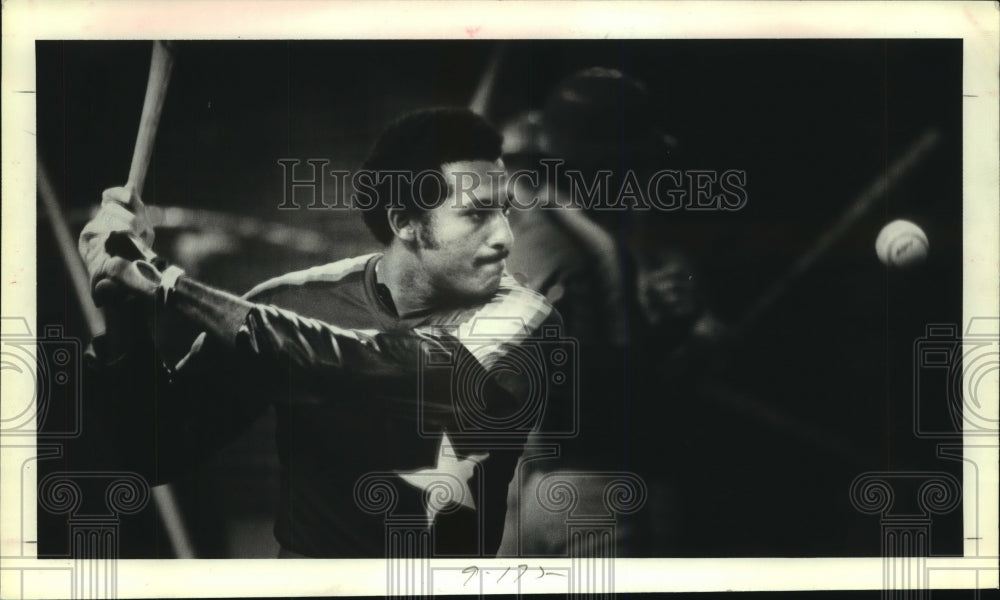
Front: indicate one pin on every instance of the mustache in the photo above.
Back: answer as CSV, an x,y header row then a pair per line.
x,y
482,260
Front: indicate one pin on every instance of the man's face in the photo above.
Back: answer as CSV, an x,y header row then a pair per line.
x,y
463,242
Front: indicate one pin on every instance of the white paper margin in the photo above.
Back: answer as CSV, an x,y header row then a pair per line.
x,y
22,576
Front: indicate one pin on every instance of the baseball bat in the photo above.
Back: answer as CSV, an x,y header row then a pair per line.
x,y
126,245
483,94
160,67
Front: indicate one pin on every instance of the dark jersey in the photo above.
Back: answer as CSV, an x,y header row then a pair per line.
x,y
386,422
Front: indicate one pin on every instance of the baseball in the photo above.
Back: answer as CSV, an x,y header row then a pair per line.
x,y
901,244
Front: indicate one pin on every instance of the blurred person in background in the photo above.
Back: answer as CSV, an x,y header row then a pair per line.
x,y
614,301
564,255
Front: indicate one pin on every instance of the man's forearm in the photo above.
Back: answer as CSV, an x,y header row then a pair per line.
x,y
219,313
309,353
307,345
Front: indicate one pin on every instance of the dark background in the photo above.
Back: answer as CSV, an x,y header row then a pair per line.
x,y
821,392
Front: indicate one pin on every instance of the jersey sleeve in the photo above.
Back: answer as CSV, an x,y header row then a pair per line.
x,y
495,346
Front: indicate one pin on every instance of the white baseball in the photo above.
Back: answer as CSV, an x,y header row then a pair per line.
x,y
901,244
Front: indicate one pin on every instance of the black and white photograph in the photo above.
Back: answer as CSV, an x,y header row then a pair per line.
x,y
524,307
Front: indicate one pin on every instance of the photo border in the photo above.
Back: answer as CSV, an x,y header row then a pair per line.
x,y
22,575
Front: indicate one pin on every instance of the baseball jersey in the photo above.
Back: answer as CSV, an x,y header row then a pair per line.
x,y
388,424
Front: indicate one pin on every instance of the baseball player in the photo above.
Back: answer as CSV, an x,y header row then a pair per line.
x,y
389,372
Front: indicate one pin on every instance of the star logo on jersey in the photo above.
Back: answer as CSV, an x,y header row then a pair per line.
x,y
448,481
